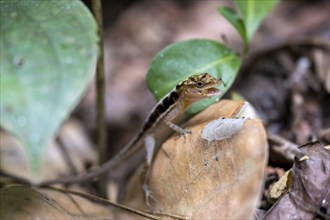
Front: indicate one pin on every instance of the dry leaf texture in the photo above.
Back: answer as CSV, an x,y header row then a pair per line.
x,y
23,202
215,179
309,195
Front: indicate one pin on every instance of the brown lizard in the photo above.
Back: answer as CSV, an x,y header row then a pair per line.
x,y
168,111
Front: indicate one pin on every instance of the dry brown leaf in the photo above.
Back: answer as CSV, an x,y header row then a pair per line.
x,y
210,179
22,202
309,195
279,187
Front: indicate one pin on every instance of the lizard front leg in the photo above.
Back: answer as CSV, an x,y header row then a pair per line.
x,y
181,131
172,114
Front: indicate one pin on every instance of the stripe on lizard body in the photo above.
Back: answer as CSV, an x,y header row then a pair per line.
x,y
163,105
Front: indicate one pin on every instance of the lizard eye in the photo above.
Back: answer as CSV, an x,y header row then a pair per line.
x,y
199,84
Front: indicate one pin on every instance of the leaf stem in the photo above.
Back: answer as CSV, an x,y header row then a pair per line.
x,y
100,99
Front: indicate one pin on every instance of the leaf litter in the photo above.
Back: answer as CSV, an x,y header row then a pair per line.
x,y
308,196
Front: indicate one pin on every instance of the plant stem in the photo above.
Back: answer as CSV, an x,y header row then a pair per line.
x,y
100,99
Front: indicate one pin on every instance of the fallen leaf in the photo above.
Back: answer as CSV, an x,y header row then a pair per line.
x,y
279,187
309,194
203,179
23,202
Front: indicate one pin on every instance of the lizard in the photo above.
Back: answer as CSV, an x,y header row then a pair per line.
x,y
159,125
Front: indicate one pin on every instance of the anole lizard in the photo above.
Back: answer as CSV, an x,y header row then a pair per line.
x,y
169,110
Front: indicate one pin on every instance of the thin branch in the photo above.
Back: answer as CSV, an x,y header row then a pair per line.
x,y
157,215
105,201
66,155
283,147
100,99
89,175
8,178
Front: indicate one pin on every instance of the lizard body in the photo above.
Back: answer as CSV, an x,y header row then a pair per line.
x,y
160,123
169,111
163,119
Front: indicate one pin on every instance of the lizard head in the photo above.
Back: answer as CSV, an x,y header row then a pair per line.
x,y
198,87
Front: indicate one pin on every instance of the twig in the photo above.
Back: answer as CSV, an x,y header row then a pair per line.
x,y
100,85
66,156
15,179
172,215
104,201
19,180
286,149
89,175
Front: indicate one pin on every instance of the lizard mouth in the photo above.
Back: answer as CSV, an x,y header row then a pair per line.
x,y
210,92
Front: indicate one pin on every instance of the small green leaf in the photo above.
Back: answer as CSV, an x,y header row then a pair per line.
x,y
183,59
235,20
253,12
48,56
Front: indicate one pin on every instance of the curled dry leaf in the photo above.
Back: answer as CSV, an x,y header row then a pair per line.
x,y
279,187
309,194
197,178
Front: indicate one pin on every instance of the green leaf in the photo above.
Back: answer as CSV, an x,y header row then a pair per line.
x,y
253,12
183,59
235,20
48,56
